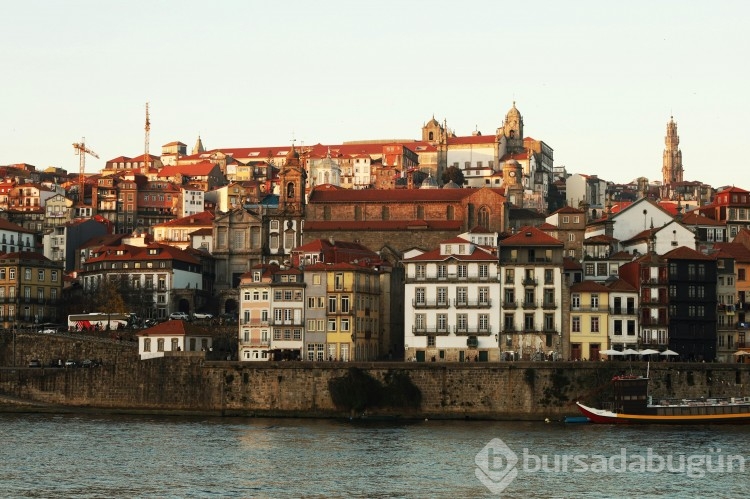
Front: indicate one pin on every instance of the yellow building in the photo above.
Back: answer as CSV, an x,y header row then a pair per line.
x,y
30,289
352,311
589,320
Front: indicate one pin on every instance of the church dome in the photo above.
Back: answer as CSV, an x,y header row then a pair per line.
x,y
451,185
429,183
292,154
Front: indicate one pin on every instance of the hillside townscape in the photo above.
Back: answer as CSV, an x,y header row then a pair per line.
x,y
444,248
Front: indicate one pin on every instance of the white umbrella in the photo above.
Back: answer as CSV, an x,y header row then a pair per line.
x,y
647,351
669,352
742,352
630,351
611,352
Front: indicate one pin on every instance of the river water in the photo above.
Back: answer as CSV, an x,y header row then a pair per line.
x,y
88,456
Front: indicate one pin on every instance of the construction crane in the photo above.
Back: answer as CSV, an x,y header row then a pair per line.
x,y
148,133
82,151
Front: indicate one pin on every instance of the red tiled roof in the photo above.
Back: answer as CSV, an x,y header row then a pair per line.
x,y
480,254
203,218
530,236
600,239
109,253
27,256
392,195
201,169
685,253
738,251
6,225
620,285
589,287
380,225
569,209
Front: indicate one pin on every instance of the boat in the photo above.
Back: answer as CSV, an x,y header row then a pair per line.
x,y
632,405
576,419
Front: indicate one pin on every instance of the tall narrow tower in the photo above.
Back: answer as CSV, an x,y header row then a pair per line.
x,y
672,166
145,150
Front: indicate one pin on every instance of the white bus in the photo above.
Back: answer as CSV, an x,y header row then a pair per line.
x,y
99,321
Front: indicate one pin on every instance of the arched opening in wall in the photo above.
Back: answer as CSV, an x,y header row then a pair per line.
x,y
183,306
357,213
230,306
431,136
470,215
326,213
420,212
290,190
450,212
483,218
385,213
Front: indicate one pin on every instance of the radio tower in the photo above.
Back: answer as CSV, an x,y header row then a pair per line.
x,y
145,154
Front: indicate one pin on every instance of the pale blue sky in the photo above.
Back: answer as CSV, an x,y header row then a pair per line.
x,y
597,81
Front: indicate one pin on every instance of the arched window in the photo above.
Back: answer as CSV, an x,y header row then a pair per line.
x,y
483,217
385,213
450,212
420,212
431,136
290,190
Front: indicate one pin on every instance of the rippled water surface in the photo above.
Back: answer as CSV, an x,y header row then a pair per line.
x,y
126,456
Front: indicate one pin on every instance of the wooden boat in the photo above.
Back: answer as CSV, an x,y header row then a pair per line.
x,y
632,405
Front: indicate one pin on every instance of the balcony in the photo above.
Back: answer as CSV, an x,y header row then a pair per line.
x,y
510,329
472,303
255,343
472,331
651,321
430,304
624,311
254,322
530,281
286,322
430,331
510,304
549,305
529,305
601,309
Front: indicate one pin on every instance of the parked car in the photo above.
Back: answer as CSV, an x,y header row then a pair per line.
x,y
203,315
179,316
35,363
47,331
88,363
71,363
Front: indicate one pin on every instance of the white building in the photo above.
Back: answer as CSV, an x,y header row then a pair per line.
x,y
449,310
171,337
623,315
532,295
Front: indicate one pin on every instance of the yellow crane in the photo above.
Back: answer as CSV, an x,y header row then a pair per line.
x,y
82,151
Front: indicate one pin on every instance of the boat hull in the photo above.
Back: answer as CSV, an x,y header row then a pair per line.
x,y
608,417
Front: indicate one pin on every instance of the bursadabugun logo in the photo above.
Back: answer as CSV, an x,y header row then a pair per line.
x,y
496,465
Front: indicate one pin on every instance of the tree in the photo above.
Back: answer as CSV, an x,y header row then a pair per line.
x,y
453,173
106,298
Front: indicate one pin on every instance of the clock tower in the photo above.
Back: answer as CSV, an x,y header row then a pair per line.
x,y
512,181
292,185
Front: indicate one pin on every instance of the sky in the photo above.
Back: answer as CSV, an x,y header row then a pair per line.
x,y
596,81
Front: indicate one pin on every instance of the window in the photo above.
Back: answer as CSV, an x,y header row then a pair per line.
x,y
740,274
571,237
528,322
509,276
548,276
575,300
442,296
575,324
421,271
442,322
484,271
40,274
594,301
430,341
160,345
27,274
442,271
462,296
345,304
146,344
484,295
484,322
510,296
595,324
331,304
419,296
463,272
549,322
462,322
332,324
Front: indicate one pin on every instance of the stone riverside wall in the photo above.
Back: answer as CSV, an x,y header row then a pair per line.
x,y
187,383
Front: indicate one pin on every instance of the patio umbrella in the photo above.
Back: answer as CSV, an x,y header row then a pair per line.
x,y
611,352
669,352
630,351
648,351
742,352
